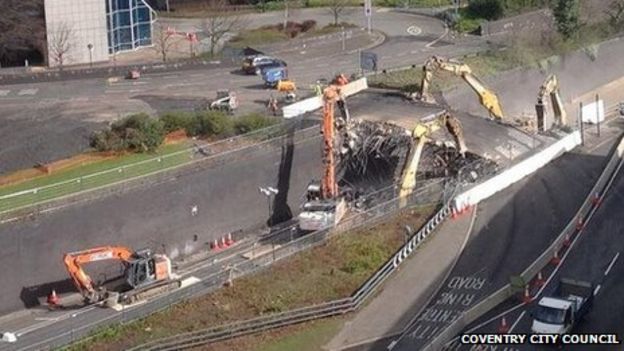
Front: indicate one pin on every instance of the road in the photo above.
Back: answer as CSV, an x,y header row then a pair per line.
x,y
595,256
512,229
48,121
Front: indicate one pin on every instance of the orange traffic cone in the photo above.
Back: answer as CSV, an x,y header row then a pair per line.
x,y
53,299
214,245
579,224
539,281
555,260
566,241
503,328
229,240
526,298
596,200
223,243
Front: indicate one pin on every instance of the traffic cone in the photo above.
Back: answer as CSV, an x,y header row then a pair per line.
x,y
566,241
526,298
214,245
555,260
53,299
539,281
579,224
596,200
223,243
229,240
453,213
503,328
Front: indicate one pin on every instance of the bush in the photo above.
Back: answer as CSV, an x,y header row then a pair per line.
x,y
308,25
173,121
251,122
137,133
488,9
211,123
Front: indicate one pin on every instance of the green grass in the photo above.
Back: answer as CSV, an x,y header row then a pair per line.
x,y
91,182
312,338
327,272
256,37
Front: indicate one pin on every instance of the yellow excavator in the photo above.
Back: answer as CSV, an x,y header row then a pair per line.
x,y
421,132
550,87
488,98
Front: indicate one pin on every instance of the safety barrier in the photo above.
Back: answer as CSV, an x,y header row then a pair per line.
x,y
315,102
516,172
586,211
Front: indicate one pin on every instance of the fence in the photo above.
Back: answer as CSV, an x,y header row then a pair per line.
x,y
220,150
587,209
427,195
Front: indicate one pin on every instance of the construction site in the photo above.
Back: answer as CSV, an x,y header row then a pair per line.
x,y
353,217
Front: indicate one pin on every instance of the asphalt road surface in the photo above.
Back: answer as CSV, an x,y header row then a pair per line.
x,y
594,257
511,230
47,121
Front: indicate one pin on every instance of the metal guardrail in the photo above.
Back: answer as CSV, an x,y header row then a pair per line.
x,y
587,208
114,176
332,308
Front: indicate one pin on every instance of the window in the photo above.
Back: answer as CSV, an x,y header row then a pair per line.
x,y
123,4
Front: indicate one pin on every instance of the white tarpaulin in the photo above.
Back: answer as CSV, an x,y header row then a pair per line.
x,y
590,115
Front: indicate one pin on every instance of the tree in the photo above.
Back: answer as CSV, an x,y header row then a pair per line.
x,y
566,14
488,9
616,14
337,8
60,43
163,41
219,24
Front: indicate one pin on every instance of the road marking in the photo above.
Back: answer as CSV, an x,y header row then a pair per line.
x,y
28,92
597,290
414,30
516,322
4,92
446,30
612,263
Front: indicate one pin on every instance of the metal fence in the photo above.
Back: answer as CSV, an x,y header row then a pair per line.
x,y
202,153
430,194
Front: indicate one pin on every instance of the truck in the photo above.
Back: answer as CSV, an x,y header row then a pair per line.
x,y
272,76
560,312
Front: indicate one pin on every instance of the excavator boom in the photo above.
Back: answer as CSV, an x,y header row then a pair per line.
x,y
487,98
550,88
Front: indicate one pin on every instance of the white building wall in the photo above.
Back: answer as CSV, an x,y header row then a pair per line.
x,y
85,21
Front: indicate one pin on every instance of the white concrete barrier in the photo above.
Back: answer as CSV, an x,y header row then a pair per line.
x,y
518,171
315,102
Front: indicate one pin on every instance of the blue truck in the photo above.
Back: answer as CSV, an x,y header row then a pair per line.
x,y
272,76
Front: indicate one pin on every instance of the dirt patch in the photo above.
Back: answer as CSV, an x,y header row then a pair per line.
x,y
327,272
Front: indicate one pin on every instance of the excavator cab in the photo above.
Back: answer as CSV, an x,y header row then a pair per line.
x,y
145,268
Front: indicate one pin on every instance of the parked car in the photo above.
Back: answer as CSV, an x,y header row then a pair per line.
x,y
269,66
252,63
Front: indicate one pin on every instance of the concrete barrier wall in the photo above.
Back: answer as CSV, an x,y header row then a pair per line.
x,y
515,173
315,102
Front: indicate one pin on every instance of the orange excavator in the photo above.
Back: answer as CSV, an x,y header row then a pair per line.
x,y
145,273
324,206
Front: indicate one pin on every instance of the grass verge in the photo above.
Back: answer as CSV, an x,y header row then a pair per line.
x,y
324,273
264,36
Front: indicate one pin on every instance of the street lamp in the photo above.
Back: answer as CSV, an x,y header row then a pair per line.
x,y
269,192
90,47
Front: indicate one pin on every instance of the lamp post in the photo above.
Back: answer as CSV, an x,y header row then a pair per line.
x,y
269,192
90,47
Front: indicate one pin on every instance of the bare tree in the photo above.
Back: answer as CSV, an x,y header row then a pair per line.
x,y
163,40
60,43
219,24
337,8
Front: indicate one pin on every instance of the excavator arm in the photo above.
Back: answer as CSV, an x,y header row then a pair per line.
x,y
487,98
75,260
421,133
550,87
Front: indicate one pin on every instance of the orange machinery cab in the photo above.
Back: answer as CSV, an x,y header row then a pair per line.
x,y
145,268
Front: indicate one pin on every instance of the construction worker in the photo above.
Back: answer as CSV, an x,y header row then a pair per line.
x,y
272,105
318,89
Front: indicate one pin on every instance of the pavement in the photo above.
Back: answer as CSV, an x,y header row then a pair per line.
x,y
408,289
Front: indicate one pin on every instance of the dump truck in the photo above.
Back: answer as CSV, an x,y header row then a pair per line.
x,y
560,312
